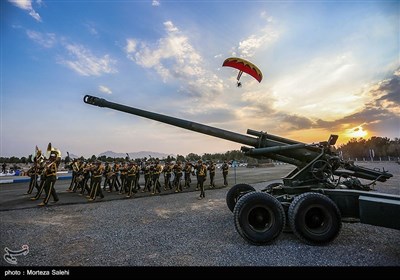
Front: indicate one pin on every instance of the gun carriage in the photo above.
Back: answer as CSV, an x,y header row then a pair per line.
x,y
312,200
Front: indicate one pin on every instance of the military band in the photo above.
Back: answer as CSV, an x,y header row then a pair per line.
x,y
87,177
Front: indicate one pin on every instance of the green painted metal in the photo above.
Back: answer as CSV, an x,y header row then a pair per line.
x,y
317,168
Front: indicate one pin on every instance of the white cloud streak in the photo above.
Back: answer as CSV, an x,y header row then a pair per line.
x,y
87,64
81,60
47,40
155,3
325,86
174,58
267,35
105,89
90,27
27,6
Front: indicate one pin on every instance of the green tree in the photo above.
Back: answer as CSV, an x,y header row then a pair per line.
x,y
180,157
23,160
193,157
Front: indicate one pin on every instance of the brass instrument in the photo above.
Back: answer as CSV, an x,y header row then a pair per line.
x,y
38,157
79,178
51,150
110,174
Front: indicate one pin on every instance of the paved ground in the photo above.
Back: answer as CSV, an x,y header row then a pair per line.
x,y
13,195
176,230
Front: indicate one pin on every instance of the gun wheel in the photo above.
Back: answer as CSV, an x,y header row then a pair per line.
x,y
314,218
259,218
235,193
321,170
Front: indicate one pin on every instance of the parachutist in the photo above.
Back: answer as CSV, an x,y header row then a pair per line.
x,y
243,66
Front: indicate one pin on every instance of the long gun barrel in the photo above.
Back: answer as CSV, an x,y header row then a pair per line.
x,y
261,145
300,156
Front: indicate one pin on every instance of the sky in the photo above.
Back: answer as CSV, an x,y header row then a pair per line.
x,y
329,67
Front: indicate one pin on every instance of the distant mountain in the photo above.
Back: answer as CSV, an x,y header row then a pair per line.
x,y
134,155
73,156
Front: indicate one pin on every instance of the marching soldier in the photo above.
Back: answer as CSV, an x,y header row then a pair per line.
x,y
84,175
225,168
123,169
95,183
131,179
147,177
202,174
51,177
41,172
156,176
196,169
75,170
33,172
167,175
138,168
177,176
76,177
187,171
114,178
107,176
211,170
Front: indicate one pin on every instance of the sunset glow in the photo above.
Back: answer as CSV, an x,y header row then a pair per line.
x,y
328,67
356,132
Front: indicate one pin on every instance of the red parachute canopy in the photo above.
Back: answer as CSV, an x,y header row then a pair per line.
x,y
243,66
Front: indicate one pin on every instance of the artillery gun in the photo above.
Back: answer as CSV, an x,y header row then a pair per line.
x,y
312,200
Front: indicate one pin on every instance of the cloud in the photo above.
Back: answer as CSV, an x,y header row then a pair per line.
x,y
315,87
85,63
105,89
155,3
259,101
47,40
130,47
389,94
267,35
382,109
27,6
174,59
81,60
90,27
211,114
297,122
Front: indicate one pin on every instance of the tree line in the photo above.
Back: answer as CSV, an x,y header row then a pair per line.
x,y
376,147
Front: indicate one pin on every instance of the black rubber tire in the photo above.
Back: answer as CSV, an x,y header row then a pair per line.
x,y
235,193
314,218
259,218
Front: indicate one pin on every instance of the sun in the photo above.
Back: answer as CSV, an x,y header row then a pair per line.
x,y
356,132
